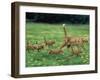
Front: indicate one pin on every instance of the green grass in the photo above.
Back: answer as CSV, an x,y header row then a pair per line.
x,y
35,32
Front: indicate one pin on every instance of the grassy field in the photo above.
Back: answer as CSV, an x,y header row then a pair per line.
x,y
35,32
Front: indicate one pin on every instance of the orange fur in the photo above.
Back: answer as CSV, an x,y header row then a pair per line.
x,y
40,47
75,51
49,42
56,51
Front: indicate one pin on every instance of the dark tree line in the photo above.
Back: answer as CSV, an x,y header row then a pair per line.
x,y
57,18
